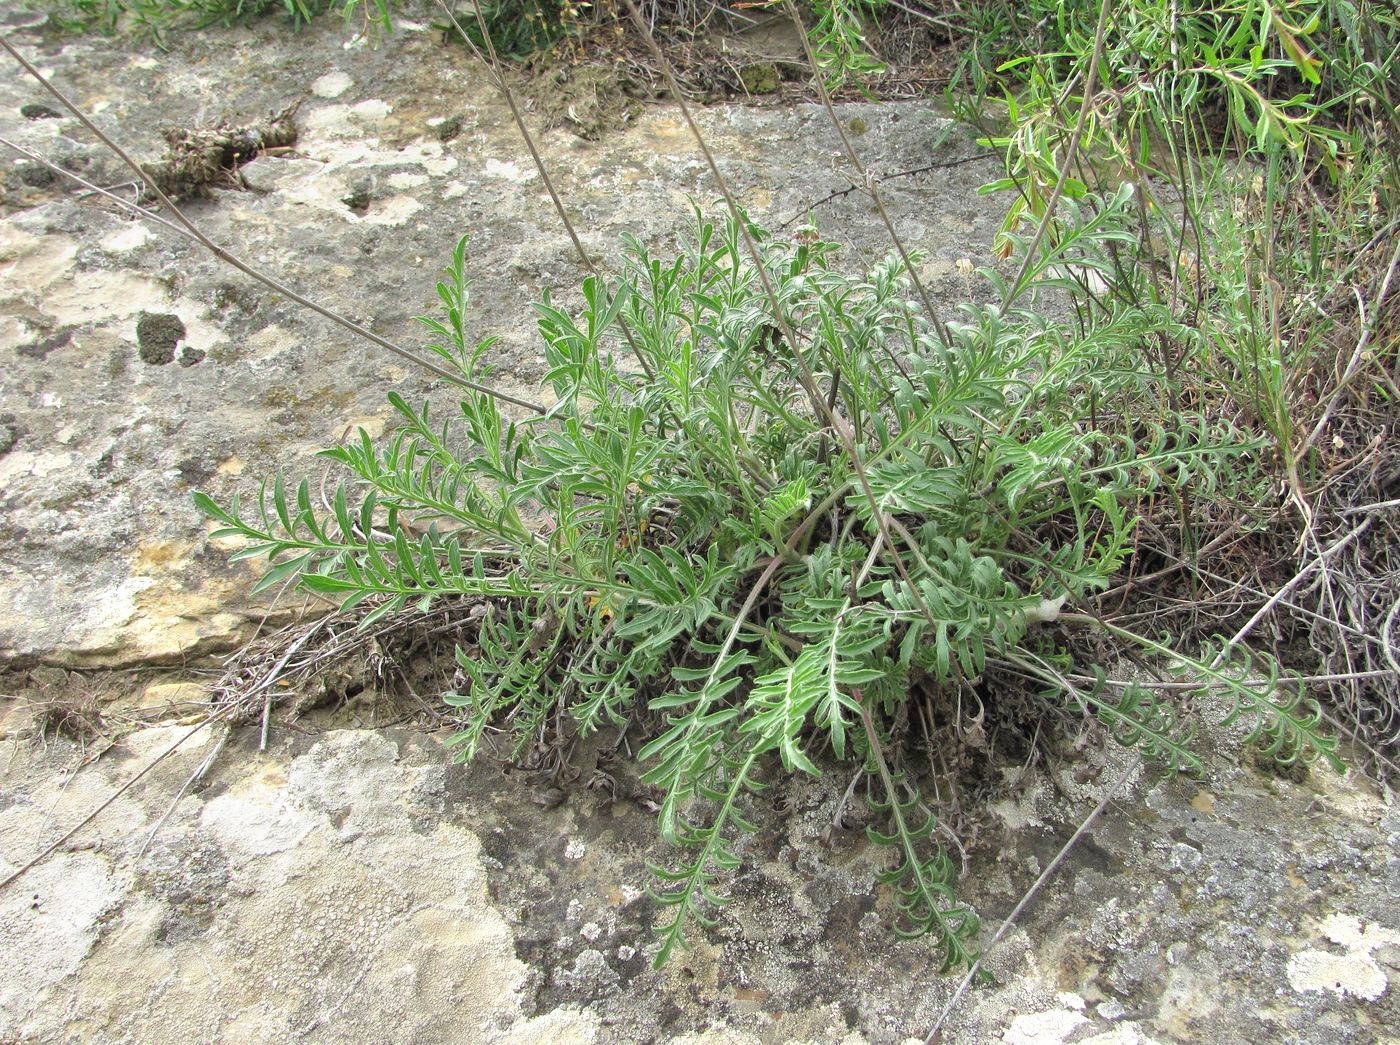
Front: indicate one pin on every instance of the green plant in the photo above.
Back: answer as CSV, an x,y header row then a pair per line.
x,y
700,551
518,28
837,36
1192,102
1262,142
839,39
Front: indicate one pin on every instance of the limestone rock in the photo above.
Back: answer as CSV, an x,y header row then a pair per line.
x,y
403,148
357,887
174,696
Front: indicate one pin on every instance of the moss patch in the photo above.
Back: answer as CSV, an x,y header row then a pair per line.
x,y
760,78
157,334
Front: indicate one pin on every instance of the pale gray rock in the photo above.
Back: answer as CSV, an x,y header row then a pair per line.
x,y
403,149
357,886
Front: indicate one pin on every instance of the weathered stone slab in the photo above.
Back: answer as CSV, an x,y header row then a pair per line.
x,y
356,887
137,368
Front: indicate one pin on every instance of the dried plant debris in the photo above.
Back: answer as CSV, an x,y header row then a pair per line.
x,y
588,99
330,662
66,704
200,160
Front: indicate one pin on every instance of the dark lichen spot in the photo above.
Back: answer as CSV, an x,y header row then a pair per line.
x,y
36,175
41,349
857,126
191,356
278,397
35,111
196,468
193,886
9,433
449,128
229,296
157,334
357,202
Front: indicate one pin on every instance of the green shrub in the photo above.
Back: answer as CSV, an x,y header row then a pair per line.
x,y
685,539
517,28
1264,141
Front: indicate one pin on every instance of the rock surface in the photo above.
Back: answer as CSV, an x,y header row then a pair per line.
x,y
309,899
354,886
106,560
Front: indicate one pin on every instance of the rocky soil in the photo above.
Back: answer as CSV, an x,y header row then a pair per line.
x,y
352,884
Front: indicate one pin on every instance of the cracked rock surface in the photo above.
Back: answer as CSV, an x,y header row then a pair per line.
x,y
356,886
106,561
297,902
